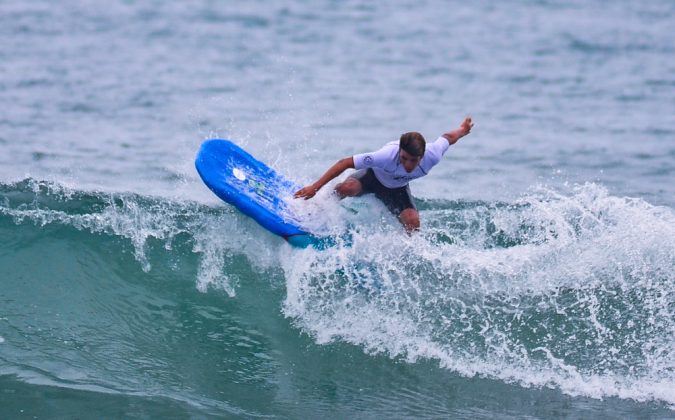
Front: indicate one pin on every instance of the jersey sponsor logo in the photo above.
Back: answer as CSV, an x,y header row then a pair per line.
x,y
368,160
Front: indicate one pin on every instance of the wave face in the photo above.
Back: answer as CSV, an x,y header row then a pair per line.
x,y
568,290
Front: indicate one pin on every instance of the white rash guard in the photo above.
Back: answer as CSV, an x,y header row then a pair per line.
x,y
386,163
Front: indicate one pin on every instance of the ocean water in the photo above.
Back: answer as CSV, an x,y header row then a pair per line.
x,y
541,284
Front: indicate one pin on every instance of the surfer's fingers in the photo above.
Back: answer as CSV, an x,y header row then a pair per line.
x,y
467,124
303,193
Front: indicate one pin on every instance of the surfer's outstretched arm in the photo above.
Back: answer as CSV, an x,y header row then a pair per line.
x,y
334,171
463,130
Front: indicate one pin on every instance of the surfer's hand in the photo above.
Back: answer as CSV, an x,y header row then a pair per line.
x,y
306,192
466,126
456,134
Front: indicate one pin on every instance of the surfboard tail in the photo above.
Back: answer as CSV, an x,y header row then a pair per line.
x,y
301,241
317,242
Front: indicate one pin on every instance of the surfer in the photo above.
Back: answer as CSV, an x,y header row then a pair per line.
x,y
387,172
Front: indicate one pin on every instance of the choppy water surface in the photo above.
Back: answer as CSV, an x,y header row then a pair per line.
x,y
541,283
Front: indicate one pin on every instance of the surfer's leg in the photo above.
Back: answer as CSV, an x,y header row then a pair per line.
x,y
356,184
400,202
351,187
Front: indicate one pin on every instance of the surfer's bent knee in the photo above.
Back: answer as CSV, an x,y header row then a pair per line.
x,y
410,219
349,188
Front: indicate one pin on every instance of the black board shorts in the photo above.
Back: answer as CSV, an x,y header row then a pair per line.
x,y
396,199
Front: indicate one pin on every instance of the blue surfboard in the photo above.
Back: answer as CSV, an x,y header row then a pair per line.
x,y
252,187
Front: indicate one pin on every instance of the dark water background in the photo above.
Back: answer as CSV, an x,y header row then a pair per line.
x,y
540,285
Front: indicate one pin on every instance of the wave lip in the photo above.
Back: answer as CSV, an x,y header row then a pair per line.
x,y
214,234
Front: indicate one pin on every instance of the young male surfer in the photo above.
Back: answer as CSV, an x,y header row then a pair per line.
x,y
387,172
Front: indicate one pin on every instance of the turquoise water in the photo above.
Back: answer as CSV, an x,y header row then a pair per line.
x,y
541,284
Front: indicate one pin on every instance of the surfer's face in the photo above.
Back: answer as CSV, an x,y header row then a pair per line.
x,y
409,161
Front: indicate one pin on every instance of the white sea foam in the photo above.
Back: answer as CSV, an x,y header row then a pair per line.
x,y
572,291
